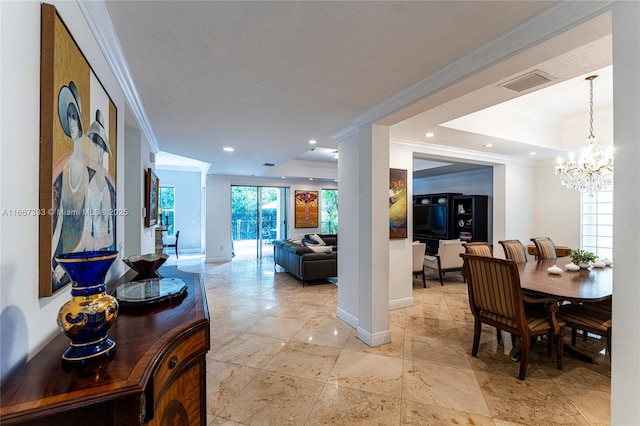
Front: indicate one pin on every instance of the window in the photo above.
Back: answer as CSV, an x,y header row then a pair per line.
x,y
597,223
167,208
329,213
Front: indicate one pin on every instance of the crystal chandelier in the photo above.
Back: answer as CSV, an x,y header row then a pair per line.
x,y
594,169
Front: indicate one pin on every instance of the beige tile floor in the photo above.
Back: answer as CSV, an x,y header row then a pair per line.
x,y
279,356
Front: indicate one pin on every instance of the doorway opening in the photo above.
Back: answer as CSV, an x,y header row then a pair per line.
x,y
258,216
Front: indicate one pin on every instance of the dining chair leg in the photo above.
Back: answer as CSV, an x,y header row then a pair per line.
x,y
559,347
524,357
477,328
499,336
441,276
424,281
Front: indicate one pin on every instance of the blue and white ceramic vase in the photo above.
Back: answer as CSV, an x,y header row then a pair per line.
x,y
86,318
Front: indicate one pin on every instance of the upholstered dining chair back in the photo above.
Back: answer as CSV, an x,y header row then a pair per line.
x,y
419,250
477,247
546,247
514,250
496,299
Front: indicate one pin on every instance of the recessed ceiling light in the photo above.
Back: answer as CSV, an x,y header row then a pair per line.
x,y
532,153
228,149
310,178
488,145
312,141
429,134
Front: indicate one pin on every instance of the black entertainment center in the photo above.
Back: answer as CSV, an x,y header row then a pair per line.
x,y
448,216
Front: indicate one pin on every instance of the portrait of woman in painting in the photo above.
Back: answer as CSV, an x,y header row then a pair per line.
x,y
83,198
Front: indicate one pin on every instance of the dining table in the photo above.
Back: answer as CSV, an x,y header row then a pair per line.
x,y
581,286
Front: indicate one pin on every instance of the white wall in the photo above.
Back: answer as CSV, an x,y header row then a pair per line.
x,y
625,366
557,209
138,239
188,206
400,250
27,321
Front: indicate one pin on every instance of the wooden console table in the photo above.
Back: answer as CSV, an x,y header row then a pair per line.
x,y
561,251
156,376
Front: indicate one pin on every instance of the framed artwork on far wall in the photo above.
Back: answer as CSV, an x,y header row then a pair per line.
x,y
397,203
151,195
78,144
306,209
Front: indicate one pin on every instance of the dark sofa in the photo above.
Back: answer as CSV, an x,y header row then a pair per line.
x,y
305,264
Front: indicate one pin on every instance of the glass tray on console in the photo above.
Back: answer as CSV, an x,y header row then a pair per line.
x,y
149,291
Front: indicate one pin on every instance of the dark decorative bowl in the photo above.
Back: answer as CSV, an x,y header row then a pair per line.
x,y
146,264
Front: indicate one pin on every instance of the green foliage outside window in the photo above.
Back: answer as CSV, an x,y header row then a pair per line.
x,y
329,211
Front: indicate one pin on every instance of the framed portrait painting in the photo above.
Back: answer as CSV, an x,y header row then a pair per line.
x,y
397,203
306,209
152,194
78,131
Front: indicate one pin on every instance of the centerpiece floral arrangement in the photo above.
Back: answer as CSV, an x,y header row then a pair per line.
x,y
579,256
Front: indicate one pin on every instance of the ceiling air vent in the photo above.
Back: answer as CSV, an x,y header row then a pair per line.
x,y
528,81
269,164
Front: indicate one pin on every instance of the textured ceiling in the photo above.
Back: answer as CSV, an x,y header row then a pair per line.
x,y
265,77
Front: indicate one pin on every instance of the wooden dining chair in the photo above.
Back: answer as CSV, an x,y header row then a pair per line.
x,y
546,248
175,245
478,247
496,299
481,248
587,318
514,250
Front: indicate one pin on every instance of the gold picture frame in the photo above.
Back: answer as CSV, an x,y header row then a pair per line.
x,y
78,142
397,203
306,209
152,194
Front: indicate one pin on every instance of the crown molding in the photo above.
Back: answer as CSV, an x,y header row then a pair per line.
x,y
459,154
548,23
97,16
345,133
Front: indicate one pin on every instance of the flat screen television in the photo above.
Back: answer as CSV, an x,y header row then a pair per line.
x,y
430,220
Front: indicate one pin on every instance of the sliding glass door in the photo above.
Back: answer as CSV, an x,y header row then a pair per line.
x,y
258,216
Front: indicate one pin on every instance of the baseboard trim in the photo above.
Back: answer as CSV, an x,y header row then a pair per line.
x,y
401,303
347,317
217,259
375,339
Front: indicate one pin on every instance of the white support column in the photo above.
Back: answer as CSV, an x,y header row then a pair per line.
x,y
625,365
363,262
373,286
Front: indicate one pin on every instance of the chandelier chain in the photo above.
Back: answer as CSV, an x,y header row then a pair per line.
x,y
591,107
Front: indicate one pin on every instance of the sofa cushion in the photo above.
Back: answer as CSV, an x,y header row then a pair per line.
x,y
296,248
329,239
321,249
317,239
